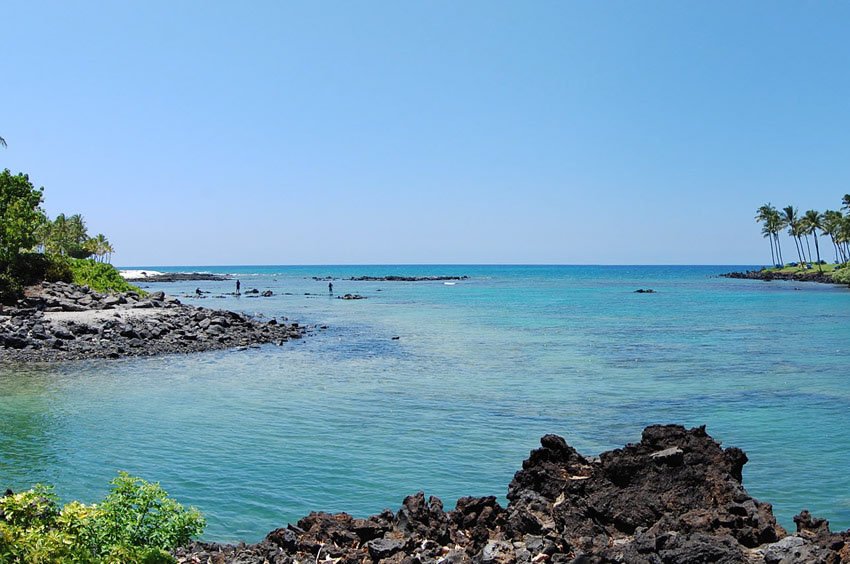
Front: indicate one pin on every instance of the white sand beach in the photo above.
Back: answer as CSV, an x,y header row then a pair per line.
x,y
90,317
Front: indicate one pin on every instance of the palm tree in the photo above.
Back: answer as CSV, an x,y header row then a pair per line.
x,y
108,249
842,231
100,247
776,225
793,222
812,221
3,142
768,234
804,231
773,225
77,236
56,235
831,226
765,214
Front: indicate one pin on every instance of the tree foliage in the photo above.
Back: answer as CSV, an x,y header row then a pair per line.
x,y
135,524
21,215
24,228
98,276
68,236
841,276
831,223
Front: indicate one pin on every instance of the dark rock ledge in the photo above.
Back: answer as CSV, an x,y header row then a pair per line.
x,y
769,275
675,497
179,277
405,278
393,278
58,321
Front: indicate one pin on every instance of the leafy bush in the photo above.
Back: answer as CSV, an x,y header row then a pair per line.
x,y
20,215
20,218
135,524
31,268
99,276
58,269
10,287
841,276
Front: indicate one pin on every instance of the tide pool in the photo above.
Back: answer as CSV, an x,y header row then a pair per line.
x,y
349,419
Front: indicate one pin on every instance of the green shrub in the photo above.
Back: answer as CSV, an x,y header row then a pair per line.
x,y
10,287
31,268
58,269
841,276
99,276
137,523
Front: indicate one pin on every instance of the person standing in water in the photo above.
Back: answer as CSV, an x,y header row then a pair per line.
x,y
238,285
330,287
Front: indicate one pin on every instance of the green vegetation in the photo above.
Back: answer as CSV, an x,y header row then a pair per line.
x,y
68,236
20,218
841,276
98,276
135,524
35,248
798,269
831,223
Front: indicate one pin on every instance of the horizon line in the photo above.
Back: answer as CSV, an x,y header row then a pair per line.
x,y
136,266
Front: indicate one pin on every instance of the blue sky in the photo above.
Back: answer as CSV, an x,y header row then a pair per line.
x,y
428,132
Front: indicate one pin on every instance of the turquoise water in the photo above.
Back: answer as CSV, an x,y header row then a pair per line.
x,y
351,420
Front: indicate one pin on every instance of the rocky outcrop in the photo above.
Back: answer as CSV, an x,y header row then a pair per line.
x,y
404,278
61,321
179,277
675,497
769,275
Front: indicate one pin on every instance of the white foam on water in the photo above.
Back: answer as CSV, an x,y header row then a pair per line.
x,y
138,273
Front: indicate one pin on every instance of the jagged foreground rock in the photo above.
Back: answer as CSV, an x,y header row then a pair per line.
x,y
674,497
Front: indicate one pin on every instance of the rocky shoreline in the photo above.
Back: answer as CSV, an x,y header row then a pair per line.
x,y
179,277
769,275
675,497
59,322
394,278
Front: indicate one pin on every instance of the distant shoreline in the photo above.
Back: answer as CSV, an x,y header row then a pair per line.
x,y
767,275
155,276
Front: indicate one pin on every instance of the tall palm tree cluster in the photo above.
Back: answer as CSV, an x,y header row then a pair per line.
x,y
832,223
68,236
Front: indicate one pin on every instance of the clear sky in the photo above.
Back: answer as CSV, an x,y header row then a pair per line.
x,y
201,132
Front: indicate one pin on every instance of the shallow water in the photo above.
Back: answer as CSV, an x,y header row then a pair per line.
x,y
350,420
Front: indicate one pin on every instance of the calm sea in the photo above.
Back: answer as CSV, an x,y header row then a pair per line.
x,y
350,419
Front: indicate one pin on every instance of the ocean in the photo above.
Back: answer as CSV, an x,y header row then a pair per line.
x,y
351,419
